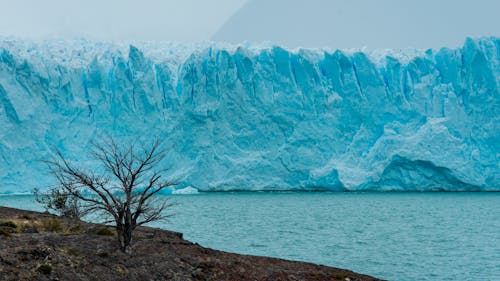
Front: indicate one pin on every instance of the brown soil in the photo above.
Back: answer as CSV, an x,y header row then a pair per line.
x,y
44,247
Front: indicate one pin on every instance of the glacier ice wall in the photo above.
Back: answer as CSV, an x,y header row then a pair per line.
x,y
250,118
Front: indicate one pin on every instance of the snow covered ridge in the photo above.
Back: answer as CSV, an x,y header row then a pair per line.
x,y
259,117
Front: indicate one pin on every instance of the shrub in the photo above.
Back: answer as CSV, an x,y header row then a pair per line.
x,y
10,224
4,232
45,269
25,217
61,202
102,254
29,228
52,225
77,228
105,232
74,252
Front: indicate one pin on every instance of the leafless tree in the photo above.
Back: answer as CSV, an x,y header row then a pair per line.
x,y
124,187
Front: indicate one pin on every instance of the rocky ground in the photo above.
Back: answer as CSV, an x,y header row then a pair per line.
x,y
37,246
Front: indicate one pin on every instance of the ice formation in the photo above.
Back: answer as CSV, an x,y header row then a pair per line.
x,y
259,118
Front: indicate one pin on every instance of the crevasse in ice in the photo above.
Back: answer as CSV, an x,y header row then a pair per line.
x,y
259,118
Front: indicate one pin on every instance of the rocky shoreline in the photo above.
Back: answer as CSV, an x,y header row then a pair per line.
x,y
39,246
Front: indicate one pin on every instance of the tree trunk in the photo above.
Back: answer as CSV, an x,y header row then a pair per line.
x,y
125,238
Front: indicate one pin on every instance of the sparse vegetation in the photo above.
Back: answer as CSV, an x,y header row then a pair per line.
x,y
37,225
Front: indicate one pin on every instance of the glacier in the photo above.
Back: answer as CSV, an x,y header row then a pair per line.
x,y
250,117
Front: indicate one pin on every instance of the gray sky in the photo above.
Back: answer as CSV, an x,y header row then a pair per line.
x,y
173,20
293,23
359,23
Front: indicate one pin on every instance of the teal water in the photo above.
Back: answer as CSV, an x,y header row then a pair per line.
x,y
395,236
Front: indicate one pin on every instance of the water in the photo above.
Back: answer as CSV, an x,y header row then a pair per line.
x,y
395,236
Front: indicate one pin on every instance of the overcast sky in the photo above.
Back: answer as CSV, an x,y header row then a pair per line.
x,y
172,20
293,23
360,23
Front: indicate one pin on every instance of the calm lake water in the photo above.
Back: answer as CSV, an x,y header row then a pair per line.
x,y
395,236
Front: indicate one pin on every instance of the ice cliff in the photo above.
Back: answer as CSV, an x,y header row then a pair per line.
x,y
259,118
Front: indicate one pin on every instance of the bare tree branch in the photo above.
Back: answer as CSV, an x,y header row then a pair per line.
x,y
132,202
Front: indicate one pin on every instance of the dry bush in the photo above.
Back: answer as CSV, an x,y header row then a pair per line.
x,y
51,225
